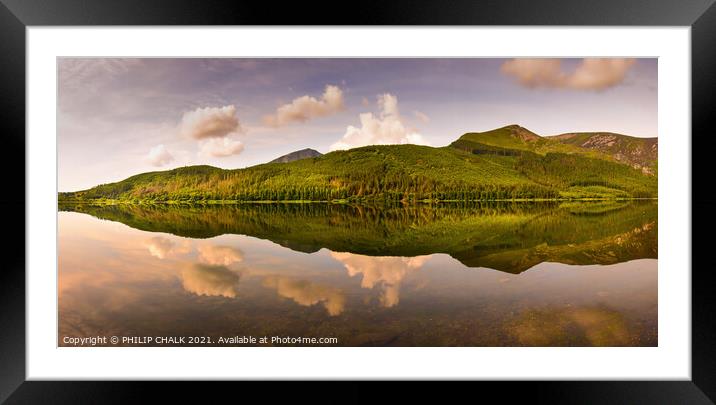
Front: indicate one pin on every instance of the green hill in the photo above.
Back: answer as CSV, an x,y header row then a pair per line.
x,y
507,163
509,137
640,153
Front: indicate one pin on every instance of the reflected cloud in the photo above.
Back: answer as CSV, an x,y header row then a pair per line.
x,y
161,247
388,272
217,255
216,281
307,294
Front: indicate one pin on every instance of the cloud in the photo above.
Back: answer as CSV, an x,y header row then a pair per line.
x,y
386,272
304,108
590,74
220,255
159,156
159,247
221,147
210,122
212,281
213,127
385,129
306,293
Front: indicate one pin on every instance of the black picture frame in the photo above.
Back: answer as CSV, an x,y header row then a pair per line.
x,y
700,15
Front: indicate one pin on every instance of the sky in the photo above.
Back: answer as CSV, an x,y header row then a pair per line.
x,y
120,117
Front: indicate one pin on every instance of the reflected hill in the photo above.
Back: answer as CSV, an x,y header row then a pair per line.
x,y
505,236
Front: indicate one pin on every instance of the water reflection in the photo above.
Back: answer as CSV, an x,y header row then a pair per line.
x,y
306,293
572,327
160,247
386,272
510,237
220,255
209,280
476,275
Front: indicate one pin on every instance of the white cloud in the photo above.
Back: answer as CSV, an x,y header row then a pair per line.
x,y
304,108
590,74
220,255
385,129
217,281
159,156
210,122
213,127
221,147
599,74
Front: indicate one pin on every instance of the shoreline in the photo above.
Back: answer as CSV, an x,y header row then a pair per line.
x,y
344,202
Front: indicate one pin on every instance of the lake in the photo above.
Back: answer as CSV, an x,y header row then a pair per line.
x,y
470,274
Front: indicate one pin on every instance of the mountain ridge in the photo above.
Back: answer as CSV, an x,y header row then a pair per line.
x,y
639,153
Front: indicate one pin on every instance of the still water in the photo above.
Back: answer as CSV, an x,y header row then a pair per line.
x,y
510,274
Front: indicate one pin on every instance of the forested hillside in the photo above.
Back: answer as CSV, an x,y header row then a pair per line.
x,y
508,163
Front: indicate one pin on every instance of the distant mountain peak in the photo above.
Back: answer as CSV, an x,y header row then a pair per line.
x,y
297,155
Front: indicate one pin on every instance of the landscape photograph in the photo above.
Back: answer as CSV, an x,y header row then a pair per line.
x,y
321,202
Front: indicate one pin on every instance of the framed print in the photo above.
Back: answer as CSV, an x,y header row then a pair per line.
x,y
456,193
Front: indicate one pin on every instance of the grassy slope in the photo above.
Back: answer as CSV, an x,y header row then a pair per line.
x,y
631,150
600,145
576,171
518,163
